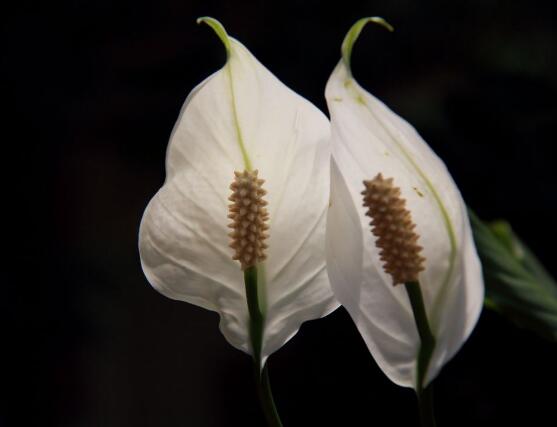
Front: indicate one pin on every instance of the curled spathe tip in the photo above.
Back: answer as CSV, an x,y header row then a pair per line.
x,y
353,34
219,30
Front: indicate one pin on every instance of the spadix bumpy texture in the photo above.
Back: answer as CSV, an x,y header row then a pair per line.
x,y
242,118
248,215
393,226
368,139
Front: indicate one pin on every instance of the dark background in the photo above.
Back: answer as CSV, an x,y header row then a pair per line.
x,y
93,89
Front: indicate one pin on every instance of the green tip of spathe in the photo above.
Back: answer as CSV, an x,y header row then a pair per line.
x,y
353,34
218,29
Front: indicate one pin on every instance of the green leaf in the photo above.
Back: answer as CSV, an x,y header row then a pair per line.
x,y
517,285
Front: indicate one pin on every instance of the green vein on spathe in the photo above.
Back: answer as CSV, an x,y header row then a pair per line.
x,y
223,36
444,214
247,161
446,220
346,50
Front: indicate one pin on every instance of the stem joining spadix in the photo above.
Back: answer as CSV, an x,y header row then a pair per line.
x,y
401,255
249,215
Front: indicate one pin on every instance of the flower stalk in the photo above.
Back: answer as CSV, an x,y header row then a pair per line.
x,y
256,326
427,345
256,315
266,397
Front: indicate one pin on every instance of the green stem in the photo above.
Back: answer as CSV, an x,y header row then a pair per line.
x,y
266,397
256,325
256,316
427,345
425,402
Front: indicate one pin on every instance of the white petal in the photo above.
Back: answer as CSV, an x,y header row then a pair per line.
x,y
379,310
184,251
242,116
367,139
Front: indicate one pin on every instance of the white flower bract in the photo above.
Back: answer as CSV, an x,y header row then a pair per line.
x,y
243,118
368,139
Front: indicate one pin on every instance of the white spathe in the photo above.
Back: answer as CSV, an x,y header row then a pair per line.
x,y
367,139
243,117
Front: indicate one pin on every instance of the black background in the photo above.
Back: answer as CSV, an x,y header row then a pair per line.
x,y
93,89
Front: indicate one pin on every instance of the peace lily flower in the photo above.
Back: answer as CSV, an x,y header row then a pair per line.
x,y
244,206
420,236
